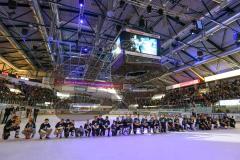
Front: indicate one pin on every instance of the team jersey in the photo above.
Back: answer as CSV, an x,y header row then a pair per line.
x,y
106,123
45,126
136,121
87,126
100,121
156,122
150,122
59,124
30,125
162,120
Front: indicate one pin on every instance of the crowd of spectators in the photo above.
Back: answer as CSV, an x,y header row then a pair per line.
x,y
7,96
39,95
27,94
204,94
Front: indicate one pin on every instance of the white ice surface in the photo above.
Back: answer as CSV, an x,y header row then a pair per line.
x,y
199,145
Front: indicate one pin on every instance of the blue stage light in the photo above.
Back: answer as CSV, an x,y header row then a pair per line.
x,y
81,3
81,21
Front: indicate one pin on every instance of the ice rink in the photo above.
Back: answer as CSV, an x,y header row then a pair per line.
x,y
198,145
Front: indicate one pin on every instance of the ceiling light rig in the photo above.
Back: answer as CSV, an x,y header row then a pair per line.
x,y
142,22
158,8
160,11
198,27
149,9
12,4
121,3
24,31
80,19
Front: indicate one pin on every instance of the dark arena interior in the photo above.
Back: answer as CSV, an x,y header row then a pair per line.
x,y
120,79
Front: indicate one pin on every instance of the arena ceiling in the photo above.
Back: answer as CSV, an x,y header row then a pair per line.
x,y
59,36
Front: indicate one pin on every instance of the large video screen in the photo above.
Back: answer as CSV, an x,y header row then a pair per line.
x,y
139,43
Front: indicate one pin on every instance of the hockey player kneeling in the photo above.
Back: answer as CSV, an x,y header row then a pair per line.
x,y
136,124
30,129
59,129
12,125
45,129
114,128
79,132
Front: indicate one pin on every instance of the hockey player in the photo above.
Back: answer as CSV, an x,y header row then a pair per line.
x,y
177,125
156,125
144,124
151,125
72,127
232,122
170,123
163,122
88,128
30,129
45,129
67,127
12,125
95,127
59,127
106,126
136,124
101,125
184,122
114,128
79,132
119,125
129,123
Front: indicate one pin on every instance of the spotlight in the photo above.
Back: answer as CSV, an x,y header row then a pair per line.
x,y
174,44
236,37
149,9
118,28
81,3
199,55
81,20
142,22
160,11
194,31
24,31
177,39
121,3
85,50
34,47
151,29
194,22
12,4
173,1
177,18
199,25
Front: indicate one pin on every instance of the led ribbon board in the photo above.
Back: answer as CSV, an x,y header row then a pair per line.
x,y
184,84
223,75
96,84
232,102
